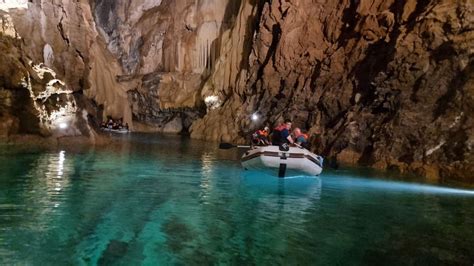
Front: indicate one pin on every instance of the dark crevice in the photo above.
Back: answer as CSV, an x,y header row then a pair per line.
x,y
281,94
316,74
61,31
379,55
421,6
333,122
23,109
444,51
80,55
297,84
457,148
388,103
78,92
418,83
276,30
60,26
367,158
230,14
336,145
284,14
349,22
249,32
456,84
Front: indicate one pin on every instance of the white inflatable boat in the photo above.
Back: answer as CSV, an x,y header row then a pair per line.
x,y
293,161
121,131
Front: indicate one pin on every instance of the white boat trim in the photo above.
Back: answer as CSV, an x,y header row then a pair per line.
x,y
122,131
295,161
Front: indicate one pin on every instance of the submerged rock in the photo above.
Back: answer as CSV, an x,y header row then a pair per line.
x,y
115,250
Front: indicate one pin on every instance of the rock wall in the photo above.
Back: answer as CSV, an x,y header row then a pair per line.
x,y
383,83
167,50
33,98
48,45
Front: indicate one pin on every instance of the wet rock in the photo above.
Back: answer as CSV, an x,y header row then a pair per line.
x,y
177,234
115,250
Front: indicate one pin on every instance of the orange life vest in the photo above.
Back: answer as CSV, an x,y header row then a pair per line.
x,y
263,133
305,136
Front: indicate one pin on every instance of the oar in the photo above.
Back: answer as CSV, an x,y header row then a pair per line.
x,y
226,146
298,145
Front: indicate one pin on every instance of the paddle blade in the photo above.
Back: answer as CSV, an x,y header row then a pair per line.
x,y
226,146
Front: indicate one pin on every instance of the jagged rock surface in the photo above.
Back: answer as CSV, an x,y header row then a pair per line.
x,y
32,99
382,83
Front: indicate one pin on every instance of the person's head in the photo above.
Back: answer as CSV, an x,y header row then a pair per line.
x,y
297,131
288,124
266,129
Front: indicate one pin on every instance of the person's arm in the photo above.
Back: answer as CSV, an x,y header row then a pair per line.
x,y
285,134
290,139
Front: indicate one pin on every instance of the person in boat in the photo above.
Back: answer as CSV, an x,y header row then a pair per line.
x,y
300,138
115,126
281,134
260,137
110,123
120,123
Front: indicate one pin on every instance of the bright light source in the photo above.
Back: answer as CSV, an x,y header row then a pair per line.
x,y
254,117
63,125
212,102
5,5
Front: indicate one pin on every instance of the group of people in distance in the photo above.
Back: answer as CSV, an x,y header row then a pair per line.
x,y
280,135
112,124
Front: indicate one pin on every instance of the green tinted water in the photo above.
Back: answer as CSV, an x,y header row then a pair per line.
x,y
155,200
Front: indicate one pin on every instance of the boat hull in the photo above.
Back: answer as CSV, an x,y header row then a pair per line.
x,y
121,131
296,161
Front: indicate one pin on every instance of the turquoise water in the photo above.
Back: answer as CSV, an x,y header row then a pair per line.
x,y
160,200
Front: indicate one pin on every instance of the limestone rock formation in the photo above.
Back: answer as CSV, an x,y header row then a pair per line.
x,y
33,100
383,83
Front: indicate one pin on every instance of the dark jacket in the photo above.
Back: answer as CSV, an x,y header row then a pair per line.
x,y
280,135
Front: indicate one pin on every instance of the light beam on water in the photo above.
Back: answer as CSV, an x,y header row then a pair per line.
x,y
396,186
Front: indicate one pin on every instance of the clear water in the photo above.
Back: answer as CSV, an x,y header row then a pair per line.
x,y
156,200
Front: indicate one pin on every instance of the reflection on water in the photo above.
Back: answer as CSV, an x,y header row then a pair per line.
x,y
394,186
157,200
206,182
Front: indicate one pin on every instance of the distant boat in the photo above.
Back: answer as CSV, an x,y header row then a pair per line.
x,y
293,161
122,130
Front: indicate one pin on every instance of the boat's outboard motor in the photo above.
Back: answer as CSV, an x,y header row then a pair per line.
x,y
284,147
321,160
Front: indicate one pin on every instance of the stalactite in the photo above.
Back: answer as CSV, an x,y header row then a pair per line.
x,y
200,56
213,53
165,60
173,58
207,55
218,47
178,63
203,56
224,80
